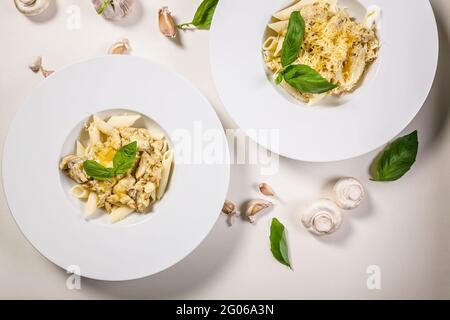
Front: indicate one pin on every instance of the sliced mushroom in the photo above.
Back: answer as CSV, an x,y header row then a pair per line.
x,y
348,193
32,7
322,217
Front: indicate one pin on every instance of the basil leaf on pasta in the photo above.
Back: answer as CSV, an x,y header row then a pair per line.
x,y
305,79
293,40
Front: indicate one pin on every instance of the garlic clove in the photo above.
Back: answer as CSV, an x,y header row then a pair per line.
x,y
348,193
36,65
120,47
266,190
254,207
115,9
31,7
322,217
167,25
229,207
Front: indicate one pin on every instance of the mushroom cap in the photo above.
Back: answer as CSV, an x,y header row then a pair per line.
x,y
322,217
348,193
32,7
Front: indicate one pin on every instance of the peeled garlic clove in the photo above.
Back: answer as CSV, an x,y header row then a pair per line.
x,y
229,207
36,65
348,193
256,206
322,217
115,9
31,7
167,25
121,47
266,190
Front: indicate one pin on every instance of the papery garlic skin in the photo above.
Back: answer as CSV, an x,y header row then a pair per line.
x,y
167,25
254,207
32,7
322,217
348,193
115,10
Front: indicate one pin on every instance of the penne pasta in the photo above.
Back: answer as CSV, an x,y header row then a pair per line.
x,y
79,191
270,44
103,127
124,121
119,213
80,149
166,166
279,27
277,52
94,134
91,204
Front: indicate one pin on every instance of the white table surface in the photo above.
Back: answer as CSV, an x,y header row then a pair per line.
x,y
403,227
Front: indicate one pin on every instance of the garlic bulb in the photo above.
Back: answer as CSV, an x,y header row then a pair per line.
x,y
348,193
256,206
322,217
31,7
114,9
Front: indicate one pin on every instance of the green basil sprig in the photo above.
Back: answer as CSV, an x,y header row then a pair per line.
x,y
103,6
123,160
305,79
293,40
203,16
278,243
396,159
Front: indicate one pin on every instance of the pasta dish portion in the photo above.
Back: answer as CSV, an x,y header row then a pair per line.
x,y
121,169
315,48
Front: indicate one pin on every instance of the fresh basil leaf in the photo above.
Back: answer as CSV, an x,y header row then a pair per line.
x,y
278,244
203,16
293,40
97,171
279,78
396,159
305,79
124,158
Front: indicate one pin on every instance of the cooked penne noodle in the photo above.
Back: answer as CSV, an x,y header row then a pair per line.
x,y
103,127
80,149
119,213
279,27
79,192
94,134
270,44
277,52
123,121
91,204
166,166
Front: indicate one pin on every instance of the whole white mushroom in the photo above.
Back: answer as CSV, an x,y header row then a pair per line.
x,y
31,7
322,217
348,193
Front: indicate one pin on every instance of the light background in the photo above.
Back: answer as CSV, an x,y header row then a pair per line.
x,y
403,227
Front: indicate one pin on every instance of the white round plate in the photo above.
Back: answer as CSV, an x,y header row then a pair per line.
x,y
45,129
392,93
